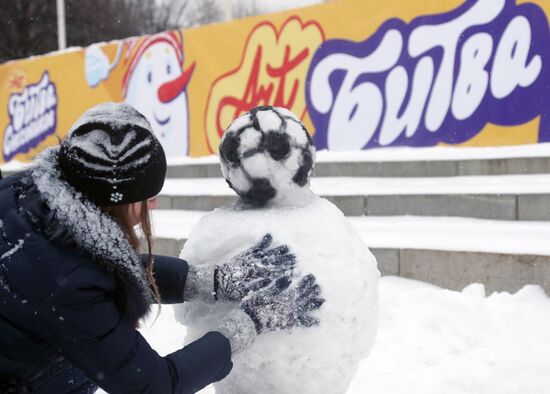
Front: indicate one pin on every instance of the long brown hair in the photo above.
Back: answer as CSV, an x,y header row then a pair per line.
x,y
121,213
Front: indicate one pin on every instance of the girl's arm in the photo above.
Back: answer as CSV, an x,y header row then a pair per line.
x,y
84,324
171,275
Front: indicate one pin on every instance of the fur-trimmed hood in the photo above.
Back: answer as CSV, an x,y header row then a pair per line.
x,y
70,220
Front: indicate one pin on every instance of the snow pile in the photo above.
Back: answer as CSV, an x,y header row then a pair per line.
x,y
434,341
326,245
438,341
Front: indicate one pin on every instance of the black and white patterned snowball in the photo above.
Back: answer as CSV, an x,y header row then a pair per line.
x,y
266,152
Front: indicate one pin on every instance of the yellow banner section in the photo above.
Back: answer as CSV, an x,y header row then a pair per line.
x,y
359,74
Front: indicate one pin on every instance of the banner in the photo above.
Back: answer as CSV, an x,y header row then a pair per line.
x,y
360,74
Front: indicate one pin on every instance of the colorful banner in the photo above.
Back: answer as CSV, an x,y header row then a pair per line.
x,y
360,74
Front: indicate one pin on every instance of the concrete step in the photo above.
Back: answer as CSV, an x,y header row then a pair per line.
x,y
482,206
524,197
515,197
390,162
446,268
415,168
448,252
210,167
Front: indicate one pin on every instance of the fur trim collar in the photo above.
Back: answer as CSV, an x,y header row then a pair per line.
x,y
73,219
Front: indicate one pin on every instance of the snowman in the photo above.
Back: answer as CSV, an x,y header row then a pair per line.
x,y
267,157
155,84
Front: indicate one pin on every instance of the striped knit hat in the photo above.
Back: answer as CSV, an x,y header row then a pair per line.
x,y
112,156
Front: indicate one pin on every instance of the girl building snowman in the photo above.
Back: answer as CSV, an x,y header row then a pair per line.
x,y
73,287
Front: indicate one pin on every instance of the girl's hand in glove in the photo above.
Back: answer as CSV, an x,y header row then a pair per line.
x,y
273,308
248,271
252,270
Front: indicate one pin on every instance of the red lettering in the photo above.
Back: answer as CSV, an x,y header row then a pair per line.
x,y
16,82
257,94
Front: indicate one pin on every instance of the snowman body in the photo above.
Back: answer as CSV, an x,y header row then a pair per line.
x,y
319,359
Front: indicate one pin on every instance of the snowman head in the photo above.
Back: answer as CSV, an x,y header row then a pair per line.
x,y
155,84
267,156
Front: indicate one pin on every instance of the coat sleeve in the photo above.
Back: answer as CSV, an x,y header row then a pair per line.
x,y
83,322
170,274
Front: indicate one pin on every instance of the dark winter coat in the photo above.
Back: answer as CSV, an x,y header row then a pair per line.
x,y
71,288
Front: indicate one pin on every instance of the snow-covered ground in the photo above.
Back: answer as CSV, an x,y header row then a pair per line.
x,y
435,341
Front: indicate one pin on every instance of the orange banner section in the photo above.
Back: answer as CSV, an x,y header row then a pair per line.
x,y
359,74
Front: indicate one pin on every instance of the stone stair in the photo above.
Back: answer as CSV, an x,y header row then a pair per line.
x,y
196,185
497,197
452,269
408,168
482,206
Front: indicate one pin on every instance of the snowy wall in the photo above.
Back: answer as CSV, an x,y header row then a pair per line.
x,y
360,74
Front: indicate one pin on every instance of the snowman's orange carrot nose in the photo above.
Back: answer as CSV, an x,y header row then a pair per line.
x,y
170,90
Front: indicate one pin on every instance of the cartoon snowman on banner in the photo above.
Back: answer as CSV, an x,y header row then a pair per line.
x,y
155,84
267,157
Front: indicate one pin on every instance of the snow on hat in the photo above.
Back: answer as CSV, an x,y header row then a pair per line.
x,y
173,38
112,156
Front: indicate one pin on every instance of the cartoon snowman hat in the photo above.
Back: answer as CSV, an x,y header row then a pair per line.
x,y
168,91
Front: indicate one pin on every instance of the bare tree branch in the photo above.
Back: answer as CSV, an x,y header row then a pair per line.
x,y
29,27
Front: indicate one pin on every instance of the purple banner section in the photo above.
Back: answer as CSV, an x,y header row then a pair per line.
x,y
33,116
441,78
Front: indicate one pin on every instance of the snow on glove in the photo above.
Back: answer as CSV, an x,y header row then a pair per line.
x,y
252,270
239,328
248,271
279,307
272,309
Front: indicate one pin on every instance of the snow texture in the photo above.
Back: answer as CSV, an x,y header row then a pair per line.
x,y
250,139
13,250
433,341
97,145
239,329
3,231
372,186
409,232
199,283
439,341
91,142
267,156
269,120
117,115
325,245
438,153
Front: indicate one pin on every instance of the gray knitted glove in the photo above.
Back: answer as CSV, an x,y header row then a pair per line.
x,y
239,328
251,270
272,309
